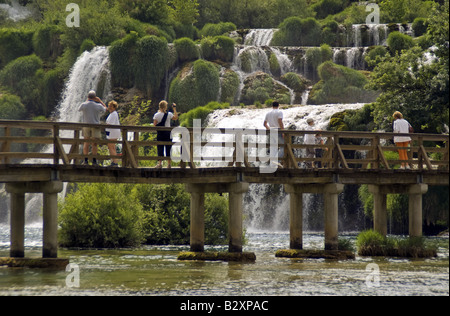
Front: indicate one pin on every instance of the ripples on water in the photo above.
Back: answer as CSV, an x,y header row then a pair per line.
x,y
156,271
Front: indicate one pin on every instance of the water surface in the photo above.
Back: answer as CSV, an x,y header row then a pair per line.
x,y
153,270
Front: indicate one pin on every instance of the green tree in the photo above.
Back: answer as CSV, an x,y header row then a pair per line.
x,y
101,215
150,11
416,82
184,11
11,108
24,77
152,60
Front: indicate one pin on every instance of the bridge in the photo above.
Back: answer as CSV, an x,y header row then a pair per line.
x,y
38,157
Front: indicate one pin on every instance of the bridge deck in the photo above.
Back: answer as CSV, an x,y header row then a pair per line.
x,y
91,174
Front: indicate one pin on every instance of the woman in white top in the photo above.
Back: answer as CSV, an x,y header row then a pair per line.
x,y
162,119
402,126
113,134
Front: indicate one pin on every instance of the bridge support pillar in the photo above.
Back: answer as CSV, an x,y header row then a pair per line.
x,y
331,195
50,234
236,191
235,226
17,223
416,192
380,210
295,216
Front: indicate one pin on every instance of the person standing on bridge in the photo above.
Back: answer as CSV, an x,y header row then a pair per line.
x,y
113,134
310,139
274,120
162,119
402,126
92,111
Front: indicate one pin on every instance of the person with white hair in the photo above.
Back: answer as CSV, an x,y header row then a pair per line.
x,y
92,111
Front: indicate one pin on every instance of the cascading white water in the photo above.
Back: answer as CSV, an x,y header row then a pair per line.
x,y
262,211
91,69
89,72
259,37
15,11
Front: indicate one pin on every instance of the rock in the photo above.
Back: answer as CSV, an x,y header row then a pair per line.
x,y
315,254
48,263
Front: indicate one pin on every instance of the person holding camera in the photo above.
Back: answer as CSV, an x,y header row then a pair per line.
x,y
162,119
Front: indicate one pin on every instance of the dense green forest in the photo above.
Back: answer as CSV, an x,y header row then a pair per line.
x,y
409,74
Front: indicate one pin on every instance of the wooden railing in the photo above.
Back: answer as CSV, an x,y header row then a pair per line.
x,y
61,143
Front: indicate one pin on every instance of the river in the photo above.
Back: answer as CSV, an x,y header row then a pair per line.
x,y
155,271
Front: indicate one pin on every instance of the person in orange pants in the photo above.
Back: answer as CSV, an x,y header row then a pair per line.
x,y
402,126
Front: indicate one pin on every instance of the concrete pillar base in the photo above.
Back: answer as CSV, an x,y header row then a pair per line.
x,y
331,198
50,234
236,192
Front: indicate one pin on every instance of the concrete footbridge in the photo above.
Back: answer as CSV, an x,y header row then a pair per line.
x,y
39,157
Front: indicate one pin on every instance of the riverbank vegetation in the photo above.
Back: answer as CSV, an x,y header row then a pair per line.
x,y
116,216
372,243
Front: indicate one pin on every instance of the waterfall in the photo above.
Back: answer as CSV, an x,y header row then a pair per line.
x,y
15,11
267,206
259,37
90,72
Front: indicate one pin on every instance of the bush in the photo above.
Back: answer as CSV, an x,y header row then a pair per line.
x,y
122,61
217,29
196,85
295,31
167,215
229,86
372,243
101,216
152,62
420,26
46,42
14,44
186,49
340,84
202,112
398,42
375,55
219,47
325,8
24,77
87,45
11,108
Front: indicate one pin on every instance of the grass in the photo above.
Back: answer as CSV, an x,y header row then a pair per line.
x,y
372,243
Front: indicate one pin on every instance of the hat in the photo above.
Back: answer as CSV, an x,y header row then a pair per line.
x,y
310,120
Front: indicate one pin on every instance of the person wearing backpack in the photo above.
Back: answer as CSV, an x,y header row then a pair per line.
x,y
162,119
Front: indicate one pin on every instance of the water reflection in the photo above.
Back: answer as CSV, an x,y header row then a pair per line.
x,y
155,271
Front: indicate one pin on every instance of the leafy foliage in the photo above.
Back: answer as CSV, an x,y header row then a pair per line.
x,y
101,215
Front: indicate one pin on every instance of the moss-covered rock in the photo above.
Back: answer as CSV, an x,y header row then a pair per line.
x,y
40,263
196,85
315,254
260,86
340,84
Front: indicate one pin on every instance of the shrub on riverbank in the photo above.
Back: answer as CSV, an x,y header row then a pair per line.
x,y
117,216
372,243
101,216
